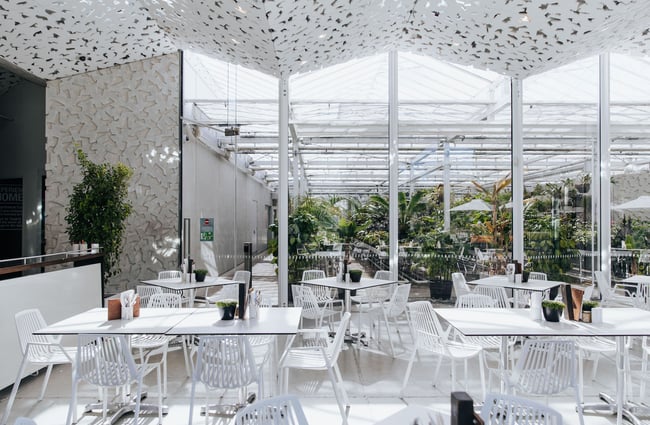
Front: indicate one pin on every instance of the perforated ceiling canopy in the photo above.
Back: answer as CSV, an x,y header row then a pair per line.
x,y
51,39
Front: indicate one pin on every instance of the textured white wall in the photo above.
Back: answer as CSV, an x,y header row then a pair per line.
x,y
129,114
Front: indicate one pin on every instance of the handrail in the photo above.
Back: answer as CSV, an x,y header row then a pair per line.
x,y
49,260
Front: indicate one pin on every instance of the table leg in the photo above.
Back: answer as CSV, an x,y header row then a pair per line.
x,y
127,406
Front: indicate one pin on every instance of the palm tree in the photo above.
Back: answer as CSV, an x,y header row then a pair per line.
x,y
492,193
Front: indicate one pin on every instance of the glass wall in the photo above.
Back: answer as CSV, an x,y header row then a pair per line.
x,y
560,115
630,165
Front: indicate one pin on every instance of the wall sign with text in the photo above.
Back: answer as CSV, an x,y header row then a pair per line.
x,y
207,229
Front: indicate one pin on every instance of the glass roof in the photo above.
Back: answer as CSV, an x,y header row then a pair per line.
x,y
339,120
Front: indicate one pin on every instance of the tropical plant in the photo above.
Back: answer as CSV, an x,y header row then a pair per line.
x,y
99,208
498,227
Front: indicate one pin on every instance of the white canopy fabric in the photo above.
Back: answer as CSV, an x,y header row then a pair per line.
x,y
473,205
640,203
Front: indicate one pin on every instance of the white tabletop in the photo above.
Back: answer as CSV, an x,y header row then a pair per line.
x,y
95,321
177,285
519,322
531,285
269,321
637,278
365,282
416,415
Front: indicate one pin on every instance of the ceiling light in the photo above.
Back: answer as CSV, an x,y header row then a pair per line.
x,y
323,35
234,41
241,10
523,15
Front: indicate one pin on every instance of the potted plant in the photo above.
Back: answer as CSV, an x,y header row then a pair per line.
x,y
355,275
200,274
228,307
586,310
552,310
99,208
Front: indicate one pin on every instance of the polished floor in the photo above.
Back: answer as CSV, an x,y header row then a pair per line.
x,y
372,379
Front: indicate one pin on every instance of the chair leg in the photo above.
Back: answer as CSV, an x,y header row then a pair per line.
x,y
45,381
192,394
408,371
339,378
342,408
14,390
72,409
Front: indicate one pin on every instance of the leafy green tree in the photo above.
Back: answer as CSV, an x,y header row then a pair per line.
x,y
99,208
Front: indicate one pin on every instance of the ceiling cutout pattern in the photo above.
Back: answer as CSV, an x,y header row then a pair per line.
x,y
53,39
517,38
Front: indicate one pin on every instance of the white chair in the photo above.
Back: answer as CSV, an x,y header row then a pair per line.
x,y
460,284
502,409
546,367
158,345
312,310
497,293
474,301
106,361
391,311
282,410
38,350
169,274
321,357
230,291
621,295
383,275
324,294
430,337
223,362
145,292
537,276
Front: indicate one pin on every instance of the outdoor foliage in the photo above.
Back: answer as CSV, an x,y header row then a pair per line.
x,y
99,208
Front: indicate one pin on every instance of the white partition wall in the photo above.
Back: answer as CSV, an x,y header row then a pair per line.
x,y
56,294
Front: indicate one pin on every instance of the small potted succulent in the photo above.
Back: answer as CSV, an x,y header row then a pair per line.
x,y
200,274
552,310
586,310
228,307
355,275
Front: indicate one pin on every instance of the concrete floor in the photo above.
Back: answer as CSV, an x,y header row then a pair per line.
x,y
372,379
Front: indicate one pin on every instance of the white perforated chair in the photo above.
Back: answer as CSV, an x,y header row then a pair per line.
x,y
312,310
25,421
502,409
282,410
106,361
546,367
325,295
497,293
391,311
621,295
145,292
230,291
320,357
460,284
158,345
430,337
223,362
37,350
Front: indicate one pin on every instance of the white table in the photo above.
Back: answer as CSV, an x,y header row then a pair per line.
x,y
501,281
416,415
179,286
617,322
364,283
174,321
637,278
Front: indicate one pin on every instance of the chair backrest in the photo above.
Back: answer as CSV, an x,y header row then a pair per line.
x,y
545,367
169,274
589,291
474,301
399,300
282,410
27,322
242,276
145,292
165,300
460,284
334,349
296,291
313,274
225,362
498,294
502,409
480,255
383,275
227,292
310,307
604,286
429,334
104,360
537,276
